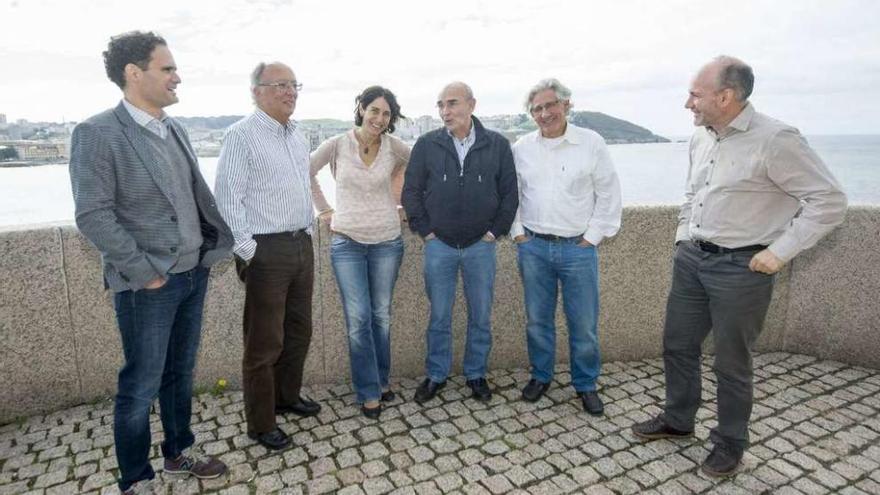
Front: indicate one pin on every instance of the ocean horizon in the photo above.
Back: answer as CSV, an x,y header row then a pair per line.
x,y
650,174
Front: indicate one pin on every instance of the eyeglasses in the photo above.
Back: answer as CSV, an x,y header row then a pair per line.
x,y
282,85
549,106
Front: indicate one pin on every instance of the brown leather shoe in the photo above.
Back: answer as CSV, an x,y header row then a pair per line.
x,y
656,428
722,461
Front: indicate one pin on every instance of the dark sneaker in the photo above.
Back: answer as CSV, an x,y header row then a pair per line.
x,y
722,461
388,396
428,390
272,440
656,428
534,390
480,389
592,403
302,407
193,461
142,487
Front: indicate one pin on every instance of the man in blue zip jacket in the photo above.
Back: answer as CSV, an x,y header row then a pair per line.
x,y
460,195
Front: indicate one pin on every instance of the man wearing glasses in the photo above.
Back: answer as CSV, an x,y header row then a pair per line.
x,y
569,202
263,192
460,195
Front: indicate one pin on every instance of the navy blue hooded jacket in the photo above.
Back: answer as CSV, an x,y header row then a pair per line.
x,y
460,206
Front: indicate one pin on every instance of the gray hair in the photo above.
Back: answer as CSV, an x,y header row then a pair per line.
x,y
257,74
736,75
562,92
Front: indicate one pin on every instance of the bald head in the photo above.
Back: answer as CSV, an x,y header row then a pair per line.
x,y
456,106
732,73
458,87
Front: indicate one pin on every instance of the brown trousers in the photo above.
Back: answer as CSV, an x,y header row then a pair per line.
x,y
277,324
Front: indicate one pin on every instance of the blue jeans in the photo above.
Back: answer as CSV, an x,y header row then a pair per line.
x,y
366,274
543,265
442,263
160,331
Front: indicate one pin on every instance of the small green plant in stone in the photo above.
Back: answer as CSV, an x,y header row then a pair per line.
x,y
219,387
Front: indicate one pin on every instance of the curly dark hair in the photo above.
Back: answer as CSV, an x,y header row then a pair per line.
x,y
367,96
134,47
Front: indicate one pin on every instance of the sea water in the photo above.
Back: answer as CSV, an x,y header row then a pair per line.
x,y
650,174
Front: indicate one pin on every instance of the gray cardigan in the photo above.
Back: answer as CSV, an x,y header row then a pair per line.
x,y
123,201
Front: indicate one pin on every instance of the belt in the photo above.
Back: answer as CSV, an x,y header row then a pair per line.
x,y
716,249
552,237
292,233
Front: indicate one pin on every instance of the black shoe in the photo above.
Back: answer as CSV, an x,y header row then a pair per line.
x,y
302,407
428,390
372,412
534,390
722,461
272,440
480,389
592,403
656,428
388,396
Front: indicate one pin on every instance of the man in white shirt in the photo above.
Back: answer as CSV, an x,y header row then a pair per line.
x,y
569,201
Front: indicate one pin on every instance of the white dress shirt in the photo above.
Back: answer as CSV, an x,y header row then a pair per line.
x,y
567,186
263,182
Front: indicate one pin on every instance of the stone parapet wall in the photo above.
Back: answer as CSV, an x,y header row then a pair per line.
x,y
59,344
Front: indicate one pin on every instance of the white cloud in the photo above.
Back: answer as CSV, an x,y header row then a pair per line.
x,y
632,59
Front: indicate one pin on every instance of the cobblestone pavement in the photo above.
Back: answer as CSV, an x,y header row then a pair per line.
x,y
815,429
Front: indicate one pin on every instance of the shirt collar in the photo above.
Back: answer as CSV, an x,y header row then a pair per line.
x,y
739,123
467,139
143,118
569,136
273,125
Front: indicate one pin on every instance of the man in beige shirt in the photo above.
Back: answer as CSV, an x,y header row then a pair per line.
x,y
756,196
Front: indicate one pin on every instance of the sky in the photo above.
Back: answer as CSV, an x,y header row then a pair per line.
x,y
817,63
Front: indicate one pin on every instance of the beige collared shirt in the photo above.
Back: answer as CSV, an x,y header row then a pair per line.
x,y
366,195
758,182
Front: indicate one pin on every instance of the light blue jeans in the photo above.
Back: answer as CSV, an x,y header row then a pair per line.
x,y
477,264
543,265
366,274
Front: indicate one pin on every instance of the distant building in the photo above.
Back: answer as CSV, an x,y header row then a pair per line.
x,y
39,151
2,118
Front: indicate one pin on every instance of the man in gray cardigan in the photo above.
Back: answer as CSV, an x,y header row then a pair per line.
x,y
141,200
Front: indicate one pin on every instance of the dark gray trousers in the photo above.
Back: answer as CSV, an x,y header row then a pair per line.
x,y
714,292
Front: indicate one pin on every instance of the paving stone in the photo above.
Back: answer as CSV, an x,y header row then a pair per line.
x,y
497,484
815,429
323,484
51,478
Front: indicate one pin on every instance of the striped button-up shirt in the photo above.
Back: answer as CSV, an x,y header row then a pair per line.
x,y
263,180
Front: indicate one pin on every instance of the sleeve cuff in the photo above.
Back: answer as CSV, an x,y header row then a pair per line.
x,y
516,230
784,248
593,236
246,249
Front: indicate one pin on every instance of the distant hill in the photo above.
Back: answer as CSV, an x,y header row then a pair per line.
x,y
615,130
